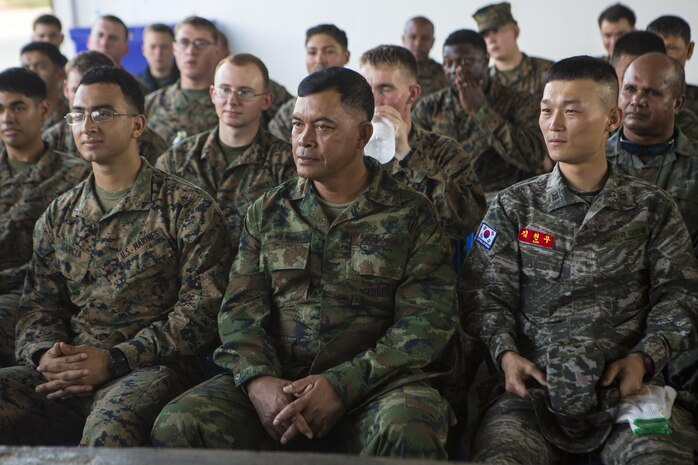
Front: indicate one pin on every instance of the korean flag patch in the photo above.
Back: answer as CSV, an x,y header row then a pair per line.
x,y
486,235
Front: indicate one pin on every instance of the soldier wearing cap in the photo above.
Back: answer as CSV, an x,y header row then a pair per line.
x,y
511,66
580,280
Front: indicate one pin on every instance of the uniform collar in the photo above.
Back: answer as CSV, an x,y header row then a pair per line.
x,y
614,194
43,168
137,198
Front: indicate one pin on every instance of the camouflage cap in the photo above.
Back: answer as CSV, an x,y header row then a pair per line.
x,y
493,16
575,414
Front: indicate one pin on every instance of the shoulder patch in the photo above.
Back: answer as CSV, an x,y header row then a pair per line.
x,y
486,235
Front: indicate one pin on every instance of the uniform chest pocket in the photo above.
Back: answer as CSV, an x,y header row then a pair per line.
x,y
70,263
541,262
149,256
377,255
287,263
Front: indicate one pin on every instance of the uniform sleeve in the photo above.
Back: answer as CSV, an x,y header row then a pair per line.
x,y
45,308
280,126
671,322
204,257
247,349
424,322
451,185
421,113
12,278
165,162
515,137
489,284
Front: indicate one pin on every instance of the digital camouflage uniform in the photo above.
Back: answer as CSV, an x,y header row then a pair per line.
x,y
431,77
169,111
281,96
57,116
150,144
368,301
503,136
439,168
267,163
281,125
23,198
529,76
691,98
677,173
687,121
146,278
546,266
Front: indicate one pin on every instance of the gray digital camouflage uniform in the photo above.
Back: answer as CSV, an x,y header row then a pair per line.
x,y
548,266
169,111
267,163
431,77
503,136
529,76
23,198
281,125
439,168
150,144
367,301
146,278
687,121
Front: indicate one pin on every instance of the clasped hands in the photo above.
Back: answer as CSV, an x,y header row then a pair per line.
x,y
72,370
309,406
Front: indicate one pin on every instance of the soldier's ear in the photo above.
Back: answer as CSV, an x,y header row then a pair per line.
x,y
415,92
365,133
615,119
138,126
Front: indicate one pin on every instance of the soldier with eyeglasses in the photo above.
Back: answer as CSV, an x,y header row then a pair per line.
x,y
184,109
238,160
122,293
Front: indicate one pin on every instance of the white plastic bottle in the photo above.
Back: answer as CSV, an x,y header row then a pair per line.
x,y
382,143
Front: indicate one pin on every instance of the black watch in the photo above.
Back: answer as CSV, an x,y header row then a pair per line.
x,y
118,364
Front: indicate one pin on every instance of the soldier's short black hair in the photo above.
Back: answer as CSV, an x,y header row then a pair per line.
x,y
161,28
48,49
112,75
637,43
23,81
85,61
117,20
331,30
671,26
354,91
585,67
466,36
615,13
51,20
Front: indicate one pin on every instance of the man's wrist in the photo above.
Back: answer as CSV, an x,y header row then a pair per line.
x,y
118,363
648,364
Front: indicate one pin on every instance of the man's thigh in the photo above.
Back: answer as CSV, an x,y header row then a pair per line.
x,y
124,410
28,418
624,447
410,421
214,414
8,319
509,433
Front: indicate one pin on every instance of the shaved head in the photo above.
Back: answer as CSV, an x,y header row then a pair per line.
x,y
663,67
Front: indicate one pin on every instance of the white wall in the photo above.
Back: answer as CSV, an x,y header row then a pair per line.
x,y
275,29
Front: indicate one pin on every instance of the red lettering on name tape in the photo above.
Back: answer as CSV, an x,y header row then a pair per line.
x,y
536,238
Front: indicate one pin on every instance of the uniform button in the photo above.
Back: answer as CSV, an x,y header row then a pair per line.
x,y
237,377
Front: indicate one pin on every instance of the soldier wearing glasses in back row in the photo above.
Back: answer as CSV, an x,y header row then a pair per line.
x,y
184,108
237,161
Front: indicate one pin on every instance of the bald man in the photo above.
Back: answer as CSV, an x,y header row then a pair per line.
x,y
418,38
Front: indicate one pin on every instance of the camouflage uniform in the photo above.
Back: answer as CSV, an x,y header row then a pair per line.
x,y
23,198
529,76
431,77
547,266
281,125
503,136
169,111
146,278
265,164
691,98
150,144
687,121
368,301
281,96
439,168
57,116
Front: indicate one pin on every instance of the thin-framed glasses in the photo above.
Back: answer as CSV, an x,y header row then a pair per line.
x,y
98,116
244,94
198,44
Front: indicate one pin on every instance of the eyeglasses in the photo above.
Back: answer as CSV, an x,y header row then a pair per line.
x,y
97,116
244,94
198,44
